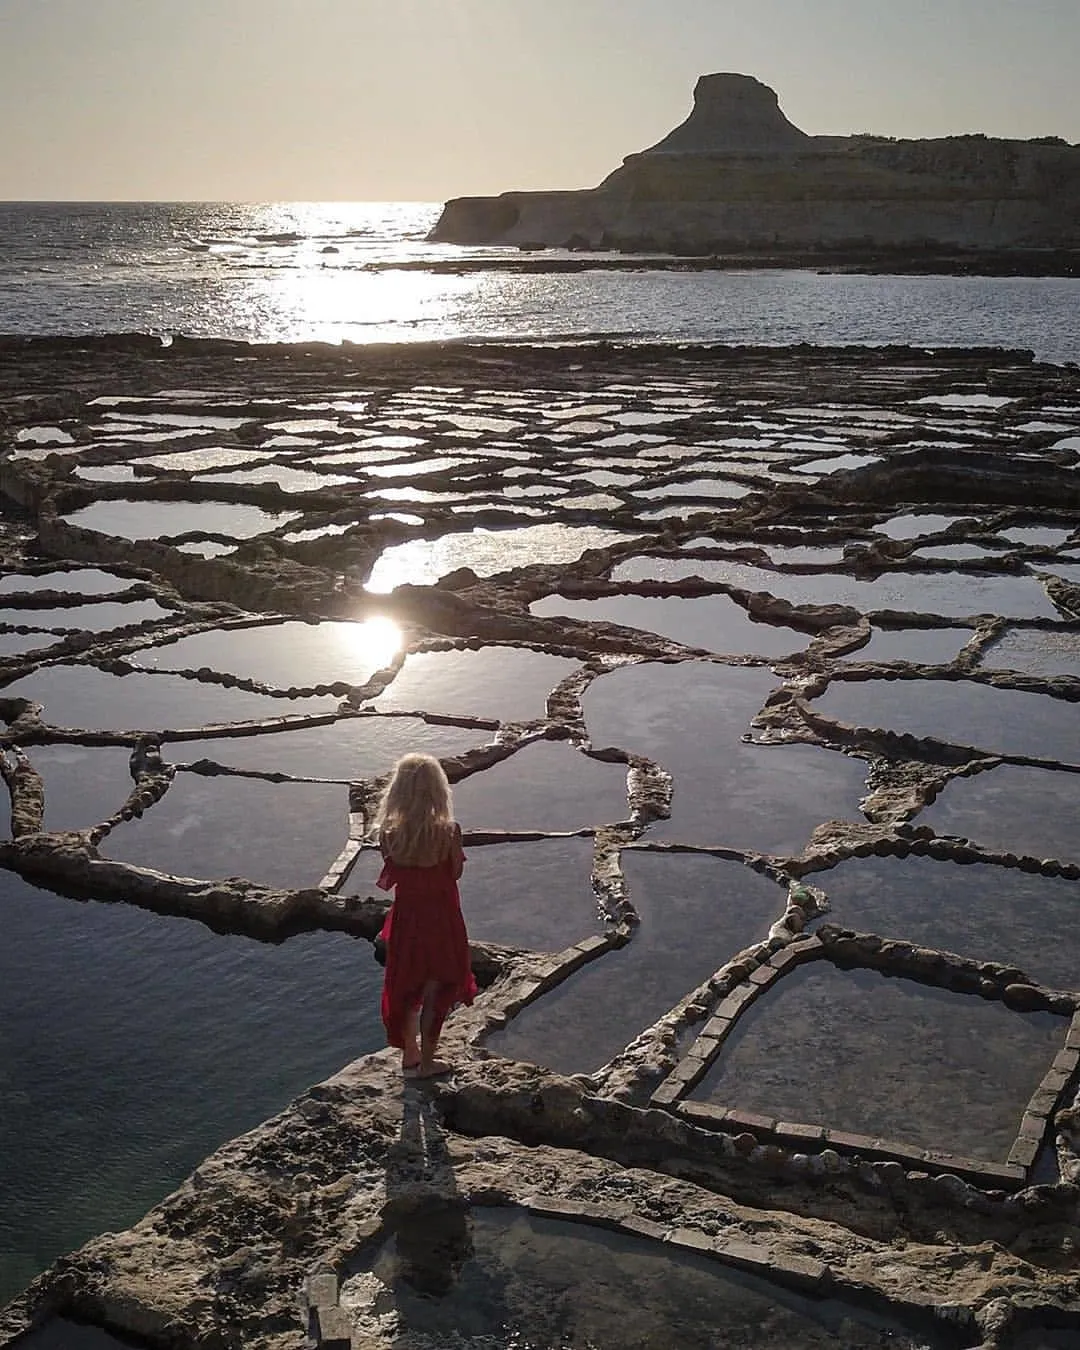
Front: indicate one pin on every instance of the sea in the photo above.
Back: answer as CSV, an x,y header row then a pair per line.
x,y
364,272
132,1045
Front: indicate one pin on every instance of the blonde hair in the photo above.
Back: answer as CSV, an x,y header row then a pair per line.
x,y
415,819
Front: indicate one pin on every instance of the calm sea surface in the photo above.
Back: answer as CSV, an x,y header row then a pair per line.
x,y
303,271
132,1045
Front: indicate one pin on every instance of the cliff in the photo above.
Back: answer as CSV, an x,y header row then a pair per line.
x,y
737,175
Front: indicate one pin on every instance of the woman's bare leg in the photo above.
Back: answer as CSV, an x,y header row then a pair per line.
x,y
429,1033
410,1054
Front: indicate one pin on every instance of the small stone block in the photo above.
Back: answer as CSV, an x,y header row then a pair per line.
x,y
322,1289
813,1134
687,1071
749,1255
717,1028
805,1269
1043,1102
730,1008
1072,1040
785,958
692,1239
704,1047
335,1328
844,1139
704,1114
587,946
1065,1061
553,1207
1032,1127
763,975
750,1120
1023,1151
1054,1080
669,1092
647,1228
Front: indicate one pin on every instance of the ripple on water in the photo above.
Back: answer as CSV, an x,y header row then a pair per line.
x,y
164,520
88,698
887,1058
696,913
709,622
15,644
961,712
925,646
690,718
908,525
348,750
284,655
283,834
421,562
978,910
136,1044
77,581
537,894
544,786
1036,651
1015,809
84,785
510,684
502,1277
953,594
90,617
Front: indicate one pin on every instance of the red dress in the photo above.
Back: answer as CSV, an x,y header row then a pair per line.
x,y
425,940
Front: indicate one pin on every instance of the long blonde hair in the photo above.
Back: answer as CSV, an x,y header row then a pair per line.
x,y
415,819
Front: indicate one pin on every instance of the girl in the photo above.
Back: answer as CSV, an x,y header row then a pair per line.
x,y
427,949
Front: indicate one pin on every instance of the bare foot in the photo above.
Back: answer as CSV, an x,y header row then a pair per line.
x,y
436,1069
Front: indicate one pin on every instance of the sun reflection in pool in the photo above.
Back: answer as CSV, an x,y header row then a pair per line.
x,y
376,640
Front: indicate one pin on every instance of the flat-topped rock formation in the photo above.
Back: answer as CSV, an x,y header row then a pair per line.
x,y
738,176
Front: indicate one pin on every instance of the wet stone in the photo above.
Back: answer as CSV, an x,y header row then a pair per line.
x,y
283,834
1008,721
887,1058
1013,809
978,910
712,623
544,786
696,913
503,1277
508,683
87,698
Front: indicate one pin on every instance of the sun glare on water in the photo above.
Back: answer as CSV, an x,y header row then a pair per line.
x,y
375,641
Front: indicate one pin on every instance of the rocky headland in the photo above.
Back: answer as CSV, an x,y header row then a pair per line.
x,y
737,178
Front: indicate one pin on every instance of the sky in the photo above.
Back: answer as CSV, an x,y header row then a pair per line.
x,y
420,100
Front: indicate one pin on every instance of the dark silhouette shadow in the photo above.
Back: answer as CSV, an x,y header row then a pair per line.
x,y
424,1213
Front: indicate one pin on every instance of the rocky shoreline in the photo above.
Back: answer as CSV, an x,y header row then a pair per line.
x,y
281,1237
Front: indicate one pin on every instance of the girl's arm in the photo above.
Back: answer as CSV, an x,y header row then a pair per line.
x,y
457,853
